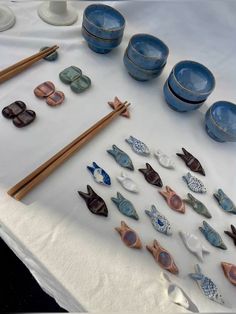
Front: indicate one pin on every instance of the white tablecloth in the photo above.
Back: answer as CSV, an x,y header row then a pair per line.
x,y
77,257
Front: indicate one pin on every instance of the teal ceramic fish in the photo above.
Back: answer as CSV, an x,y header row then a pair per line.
x,y
225,202
121,157
198,206
212,236
125,206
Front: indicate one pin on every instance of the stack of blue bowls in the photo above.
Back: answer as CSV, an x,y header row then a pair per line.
x,y
188,86
103,27
145,57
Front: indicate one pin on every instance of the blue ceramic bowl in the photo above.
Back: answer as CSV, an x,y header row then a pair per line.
x,y
176,103
103,21
191,81
220,121
138,73
100,45
147,51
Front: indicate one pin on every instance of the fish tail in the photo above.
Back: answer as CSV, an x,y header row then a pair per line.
x,y
91,169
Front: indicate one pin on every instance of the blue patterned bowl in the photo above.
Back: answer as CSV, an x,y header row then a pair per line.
x,y
100,45
138,73
191,81
220,121
147,51
177,104
103,21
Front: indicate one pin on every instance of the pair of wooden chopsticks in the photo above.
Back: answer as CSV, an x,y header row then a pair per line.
x,y
42,172
22,65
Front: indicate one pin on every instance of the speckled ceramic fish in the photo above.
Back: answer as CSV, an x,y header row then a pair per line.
x,y
137,146
229,271
194,184
207,286
127,183
212,236
159,222
99,175
225,202
193,244
125,206
121,157
163,257
164,160
198,206
178,296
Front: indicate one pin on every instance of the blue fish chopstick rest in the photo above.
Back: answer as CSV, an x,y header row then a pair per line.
x,y
207,286
225,202
194,183
125,206
137,146
121,157
99,175
159,222
212,236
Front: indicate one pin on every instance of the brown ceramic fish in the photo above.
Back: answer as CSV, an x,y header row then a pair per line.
x,y
129,236
94,202
151,176
173,200
191,162
229,271
163,257
232,234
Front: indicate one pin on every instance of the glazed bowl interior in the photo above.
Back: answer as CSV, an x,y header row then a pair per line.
x,y
224,115
194,77
104,17
149,46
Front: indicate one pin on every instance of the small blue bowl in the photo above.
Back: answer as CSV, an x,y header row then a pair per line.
x,y
138,73
220,121
191,81
103,21
177,104
100,45
147,51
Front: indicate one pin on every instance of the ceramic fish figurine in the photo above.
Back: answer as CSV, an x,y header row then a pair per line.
x,y
94,202
164,160
232,234
193,244
125,206
194,184
212,236
100,175
198,206
163,257
137,146
178,296
151,176
116,103
121,157
229,271
159,222
191,162
173,200
207,286
127,183
129,236
225,202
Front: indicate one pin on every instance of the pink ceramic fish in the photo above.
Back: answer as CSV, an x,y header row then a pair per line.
x,y
173,200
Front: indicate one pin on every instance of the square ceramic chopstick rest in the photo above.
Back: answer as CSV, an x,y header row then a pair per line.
x,y
73,76
47,90
19,114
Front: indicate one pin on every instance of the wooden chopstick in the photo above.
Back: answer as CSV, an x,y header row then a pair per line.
x,y
24,64
42,172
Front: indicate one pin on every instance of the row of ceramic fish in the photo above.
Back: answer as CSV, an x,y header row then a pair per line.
x,y
166,261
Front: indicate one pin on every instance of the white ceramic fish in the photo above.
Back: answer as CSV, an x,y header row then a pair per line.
x,y
193,244
164,160
127,183
178,296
